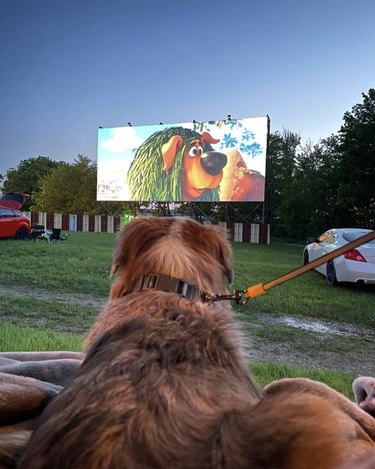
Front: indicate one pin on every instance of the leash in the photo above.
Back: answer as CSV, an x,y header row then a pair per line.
x,y
243,296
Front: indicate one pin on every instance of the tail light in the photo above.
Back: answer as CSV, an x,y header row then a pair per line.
x,y
354,255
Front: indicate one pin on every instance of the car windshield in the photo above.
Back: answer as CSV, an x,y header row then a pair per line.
x,y
352,235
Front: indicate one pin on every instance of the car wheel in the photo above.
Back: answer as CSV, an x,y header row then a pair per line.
x,y
22,234
305,258
331,274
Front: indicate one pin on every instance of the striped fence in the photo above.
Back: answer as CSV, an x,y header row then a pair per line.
x,y
238,232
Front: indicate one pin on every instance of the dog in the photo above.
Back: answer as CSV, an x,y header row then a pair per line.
x,y
176,164
164,382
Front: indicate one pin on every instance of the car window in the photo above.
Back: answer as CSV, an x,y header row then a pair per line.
x,y
352,235
328,237
6,213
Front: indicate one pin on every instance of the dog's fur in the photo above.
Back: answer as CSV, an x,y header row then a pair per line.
x,y
164,385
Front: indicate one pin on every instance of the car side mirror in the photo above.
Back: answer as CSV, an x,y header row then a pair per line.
x,y
312,239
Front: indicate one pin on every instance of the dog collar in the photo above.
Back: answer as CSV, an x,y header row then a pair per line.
x,y
186,290
170,284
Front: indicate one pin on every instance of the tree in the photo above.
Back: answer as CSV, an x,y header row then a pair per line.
x,y
356,145
71,188
280,169
28,176
309,204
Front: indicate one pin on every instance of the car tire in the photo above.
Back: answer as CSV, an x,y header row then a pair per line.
x,y
305,258
331,274
22,234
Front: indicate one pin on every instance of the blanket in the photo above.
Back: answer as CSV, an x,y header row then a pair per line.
x,y
28,381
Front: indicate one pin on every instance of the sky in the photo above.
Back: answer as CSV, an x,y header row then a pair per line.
x,y
69,67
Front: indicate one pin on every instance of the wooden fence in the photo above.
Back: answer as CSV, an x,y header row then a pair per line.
x,y
238,232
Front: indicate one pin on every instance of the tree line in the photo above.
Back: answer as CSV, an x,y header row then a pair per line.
x,y
309,188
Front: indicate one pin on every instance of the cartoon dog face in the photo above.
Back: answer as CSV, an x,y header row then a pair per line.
x,y
201,169
176,164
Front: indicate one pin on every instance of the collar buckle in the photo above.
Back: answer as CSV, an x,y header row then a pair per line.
x,y
169,284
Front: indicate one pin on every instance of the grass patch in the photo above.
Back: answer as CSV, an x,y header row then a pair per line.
x,y
267,372
83,263
29,339
81,266
307,296
76,319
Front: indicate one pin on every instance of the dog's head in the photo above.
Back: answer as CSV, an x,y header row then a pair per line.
x,y
176,247
203,168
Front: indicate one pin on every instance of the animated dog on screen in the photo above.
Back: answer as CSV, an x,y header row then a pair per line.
x,y
176,164
164,383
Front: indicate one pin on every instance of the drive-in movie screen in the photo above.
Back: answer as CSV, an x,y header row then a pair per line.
x,y
213,161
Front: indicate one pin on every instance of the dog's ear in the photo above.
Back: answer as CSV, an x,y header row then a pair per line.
x,y
169,151
207,138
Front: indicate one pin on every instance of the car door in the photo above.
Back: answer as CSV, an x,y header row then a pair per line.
x,y
8,222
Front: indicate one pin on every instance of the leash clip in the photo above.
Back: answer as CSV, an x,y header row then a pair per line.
x,y
238,296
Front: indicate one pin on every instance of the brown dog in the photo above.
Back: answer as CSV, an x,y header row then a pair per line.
x,y
163,384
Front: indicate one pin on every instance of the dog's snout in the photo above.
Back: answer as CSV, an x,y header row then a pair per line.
x,y
213,162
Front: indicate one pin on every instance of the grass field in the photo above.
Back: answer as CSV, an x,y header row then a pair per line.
x,y
51,293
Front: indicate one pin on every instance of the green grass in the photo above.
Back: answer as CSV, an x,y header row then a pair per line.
x,y
306,296
267,372
45,291
82,264
63,317
29,339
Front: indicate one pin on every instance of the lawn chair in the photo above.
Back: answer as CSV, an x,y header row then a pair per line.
x,y
55,235
40,232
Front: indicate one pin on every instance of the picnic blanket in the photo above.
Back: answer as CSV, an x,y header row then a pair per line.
x,y
28,381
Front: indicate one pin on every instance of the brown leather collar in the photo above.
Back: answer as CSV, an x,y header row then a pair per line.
x,y
173,285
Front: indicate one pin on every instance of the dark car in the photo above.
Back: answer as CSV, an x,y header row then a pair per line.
x,y
14,224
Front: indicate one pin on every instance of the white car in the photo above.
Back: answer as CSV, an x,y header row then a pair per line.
x,y
356,265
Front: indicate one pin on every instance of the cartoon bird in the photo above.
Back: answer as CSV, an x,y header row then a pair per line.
x,y
176,164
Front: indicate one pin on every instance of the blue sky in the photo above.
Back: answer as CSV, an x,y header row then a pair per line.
x,y
69,67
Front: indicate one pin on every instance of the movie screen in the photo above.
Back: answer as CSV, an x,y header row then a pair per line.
x,y
213,161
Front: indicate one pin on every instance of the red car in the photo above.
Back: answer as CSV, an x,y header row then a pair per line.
x,y
13,223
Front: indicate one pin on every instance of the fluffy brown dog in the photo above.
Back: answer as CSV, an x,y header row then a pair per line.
x,y
163,384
